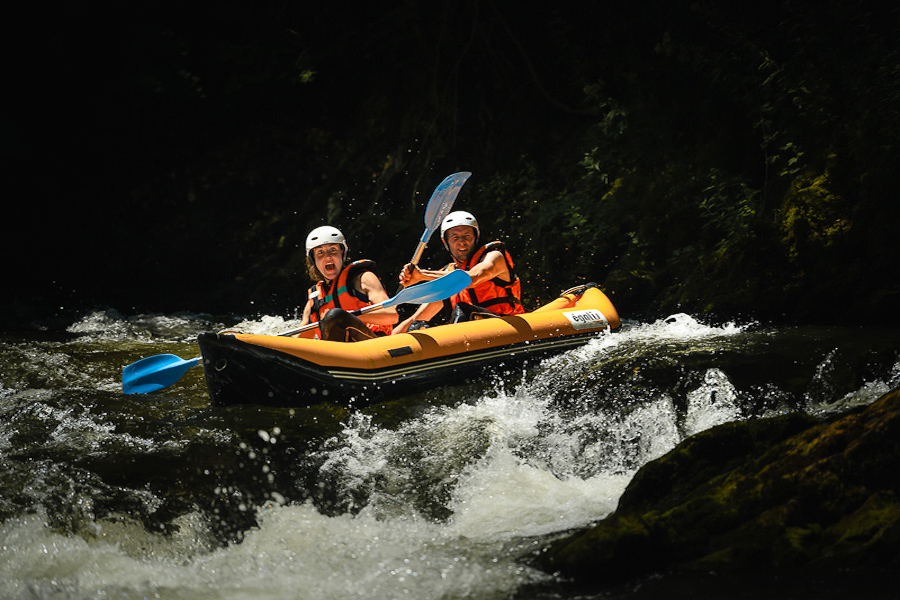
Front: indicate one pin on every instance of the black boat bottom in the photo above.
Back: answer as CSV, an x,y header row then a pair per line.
x,y
238,372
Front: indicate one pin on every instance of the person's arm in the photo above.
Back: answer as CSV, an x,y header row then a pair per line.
x,y
411,275
369,284
492,265
304,320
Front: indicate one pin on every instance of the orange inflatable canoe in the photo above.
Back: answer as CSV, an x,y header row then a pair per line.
x,y
289,371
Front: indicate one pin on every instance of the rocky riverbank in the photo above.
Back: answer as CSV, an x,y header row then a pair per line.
x,y
788,491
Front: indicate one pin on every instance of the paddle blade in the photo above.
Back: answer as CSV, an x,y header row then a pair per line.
x,y
442,201
439,206
154,373
434,290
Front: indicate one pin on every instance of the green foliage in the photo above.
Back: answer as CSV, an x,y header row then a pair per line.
x,y
674,178
520,210
729,210
812,217
702,158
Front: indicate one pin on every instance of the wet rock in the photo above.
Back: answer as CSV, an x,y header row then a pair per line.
x,y
781,492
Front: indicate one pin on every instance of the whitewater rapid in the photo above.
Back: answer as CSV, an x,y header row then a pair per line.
x,y
449,504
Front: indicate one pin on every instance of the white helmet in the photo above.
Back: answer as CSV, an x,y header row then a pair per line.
x,y
459,217
326,235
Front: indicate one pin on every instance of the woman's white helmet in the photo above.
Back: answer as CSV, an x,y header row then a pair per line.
x,y
459,217
326,235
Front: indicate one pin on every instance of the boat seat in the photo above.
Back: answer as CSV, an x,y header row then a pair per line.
x,y
463,311
338,325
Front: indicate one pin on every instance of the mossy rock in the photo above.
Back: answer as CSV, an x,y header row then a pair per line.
x,y
782,492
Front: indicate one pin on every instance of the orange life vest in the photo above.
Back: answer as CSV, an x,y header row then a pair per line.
x,y
497,295
342,294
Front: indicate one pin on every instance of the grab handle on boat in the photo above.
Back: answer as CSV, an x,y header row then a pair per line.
x,y
579,289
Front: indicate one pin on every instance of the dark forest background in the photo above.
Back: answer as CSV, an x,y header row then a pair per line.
x,y
724,158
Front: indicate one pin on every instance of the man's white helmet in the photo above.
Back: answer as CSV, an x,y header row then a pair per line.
x,y
459,217
326,235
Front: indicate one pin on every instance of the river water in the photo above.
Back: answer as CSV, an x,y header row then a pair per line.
x,y
442,495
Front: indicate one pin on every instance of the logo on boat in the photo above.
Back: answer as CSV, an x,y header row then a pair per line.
x,y
586,319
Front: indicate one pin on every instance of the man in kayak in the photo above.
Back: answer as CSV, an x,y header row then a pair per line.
x,y
342,286
495,289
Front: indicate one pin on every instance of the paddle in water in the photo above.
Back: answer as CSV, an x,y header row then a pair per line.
x,y
158,372
155,373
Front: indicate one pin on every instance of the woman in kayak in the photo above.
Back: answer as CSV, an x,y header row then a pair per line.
x,y
342,286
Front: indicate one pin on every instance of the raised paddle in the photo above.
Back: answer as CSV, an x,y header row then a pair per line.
x,y
439,206
160,371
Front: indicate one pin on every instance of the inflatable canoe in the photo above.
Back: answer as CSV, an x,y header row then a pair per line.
x,y
292,372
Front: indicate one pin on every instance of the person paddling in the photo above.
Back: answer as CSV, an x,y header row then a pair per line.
x,y
495,289
342,286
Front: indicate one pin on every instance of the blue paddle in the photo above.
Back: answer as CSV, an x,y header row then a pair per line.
x,y
160,371
439,206
155,373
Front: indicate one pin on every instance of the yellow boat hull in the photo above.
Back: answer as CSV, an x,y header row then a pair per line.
x,y
288,371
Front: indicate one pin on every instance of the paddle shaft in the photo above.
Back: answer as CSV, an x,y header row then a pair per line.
x,y
308,326
417,256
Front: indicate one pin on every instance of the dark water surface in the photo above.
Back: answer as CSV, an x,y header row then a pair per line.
x,y
442,495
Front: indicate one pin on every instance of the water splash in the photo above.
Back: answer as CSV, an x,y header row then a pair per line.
x,y
266,325
821,402
110,325
294,553
713,403
444,505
